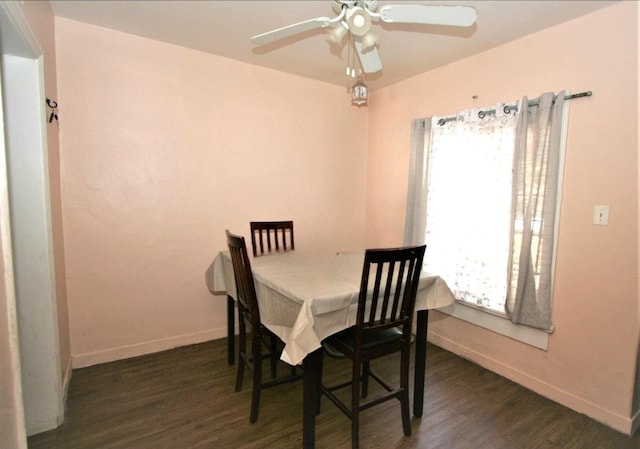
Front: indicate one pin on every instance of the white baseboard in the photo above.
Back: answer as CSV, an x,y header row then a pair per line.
x,y
635,422
66,380
149,347
614,420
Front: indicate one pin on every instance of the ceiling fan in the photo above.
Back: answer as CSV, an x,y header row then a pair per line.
x,y
356,17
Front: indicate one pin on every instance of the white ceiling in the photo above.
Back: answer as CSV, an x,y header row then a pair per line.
x,y
225,27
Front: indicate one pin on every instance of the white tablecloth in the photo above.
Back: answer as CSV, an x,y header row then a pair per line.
x,y
304,298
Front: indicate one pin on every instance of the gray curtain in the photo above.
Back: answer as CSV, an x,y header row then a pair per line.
x,y
416,216
537,169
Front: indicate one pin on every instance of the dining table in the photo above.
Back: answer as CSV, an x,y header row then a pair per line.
x,y
305,297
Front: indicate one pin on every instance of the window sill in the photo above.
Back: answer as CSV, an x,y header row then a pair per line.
x,y
498,324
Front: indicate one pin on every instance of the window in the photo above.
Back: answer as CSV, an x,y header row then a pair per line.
x,y
484,191
469,183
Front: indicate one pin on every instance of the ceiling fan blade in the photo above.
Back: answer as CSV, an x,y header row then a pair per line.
x,y
290,30
462,16
369,59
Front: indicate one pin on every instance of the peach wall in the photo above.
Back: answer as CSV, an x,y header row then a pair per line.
x,y
163,149
591,361
636,397
41,21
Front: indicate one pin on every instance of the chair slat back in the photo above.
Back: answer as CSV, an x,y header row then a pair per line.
x,y
271,236
388,289
245,288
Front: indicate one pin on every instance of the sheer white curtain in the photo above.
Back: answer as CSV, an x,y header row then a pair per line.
x,y
482,196
468,205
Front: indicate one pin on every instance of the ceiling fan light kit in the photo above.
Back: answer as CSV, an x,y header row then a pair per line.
x,y
359,21
369,40
338,33
356,17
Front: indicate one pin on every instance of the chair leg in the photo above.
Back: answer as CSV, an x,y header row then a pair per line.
x,y
355,405
404,397
365,379
273,349
257,376
242,352
406,416
231,305
319,370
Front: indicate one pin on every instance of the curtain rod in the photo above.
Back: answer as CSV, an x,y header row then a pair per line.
x,y
508,108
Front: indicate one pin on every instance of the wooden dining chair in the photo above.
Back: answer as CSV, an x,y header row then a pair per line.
x,y
386,303
249,316
271,236
268,237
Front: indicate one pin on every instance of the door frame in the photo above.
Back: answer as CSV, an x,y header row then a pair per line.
x,y
27,239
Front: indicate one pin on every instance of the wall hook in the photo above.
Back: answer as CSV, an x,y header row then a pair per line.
x,y
54,110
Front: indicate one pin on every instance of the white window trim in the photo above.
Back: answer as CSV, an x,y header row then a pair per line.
x,y
498,324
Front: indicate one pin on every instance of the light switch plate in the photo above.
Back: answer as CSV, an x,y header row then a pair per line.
x,y
601,215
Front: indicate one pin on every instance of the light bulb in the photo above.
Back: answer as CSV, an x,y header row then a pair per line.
x,y
338,33
358,20
369,40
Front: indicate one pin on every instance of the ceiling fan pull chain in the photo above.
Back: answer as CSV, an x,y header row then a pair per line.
x,y
349,54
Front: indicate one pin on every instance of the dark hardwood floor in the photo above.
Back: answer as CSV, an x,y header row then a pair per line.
x,y
184,399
